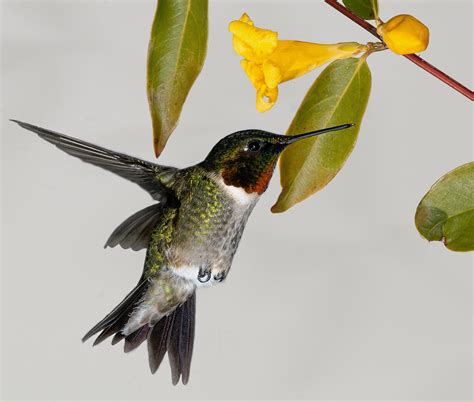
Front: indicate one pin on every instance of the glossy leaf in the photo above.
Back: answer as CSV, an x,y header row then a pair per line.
x,y
176,54
366,9
338,96
446,212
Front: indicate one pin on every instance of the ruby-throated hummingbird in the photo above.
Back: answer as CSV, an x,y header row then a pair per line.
x,y
191,234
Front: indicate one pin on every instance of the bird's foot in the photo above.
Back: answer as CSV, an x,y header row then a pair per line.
x,y
220,276
204,275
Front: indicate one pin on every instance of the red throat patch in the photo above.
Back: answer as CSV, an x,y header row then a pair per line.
x,y
262,183
247,179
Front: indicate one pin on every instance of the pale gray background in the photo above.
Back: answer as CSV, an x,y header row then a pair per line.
x,y
339,298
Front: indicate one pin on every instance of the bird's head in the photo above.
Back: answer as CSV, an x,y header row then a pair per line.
x,y
247,158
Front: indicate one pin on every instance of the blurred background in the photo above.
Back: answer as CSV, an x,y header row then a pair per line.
x,y
339,298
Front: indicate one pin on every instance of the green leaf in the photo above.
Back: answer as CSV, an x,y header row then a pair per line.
x,y
366,9
176,54
338,96
446,212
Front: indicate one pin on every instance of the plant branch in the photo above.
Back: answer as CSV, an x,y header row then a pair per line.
x,y
412,57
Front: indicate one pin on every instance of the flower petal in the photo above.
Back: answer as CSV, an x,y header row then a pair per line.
x,y
254,72
295,58
251,42
271,74
241,48
245,18
239,45
266,98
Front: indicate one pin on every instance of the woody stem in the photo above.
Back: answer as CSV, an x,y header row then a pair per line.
x,y
412,57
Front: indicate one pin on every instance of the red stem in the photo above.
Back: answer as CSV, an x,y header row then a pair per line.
x,y
412,57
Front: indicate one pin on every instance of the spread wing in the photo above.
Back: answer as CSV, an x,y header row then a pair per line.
x,y
149,176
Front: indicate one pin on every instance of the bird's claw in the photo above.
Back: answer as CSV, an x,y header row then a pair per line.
x,y
204,275
220,276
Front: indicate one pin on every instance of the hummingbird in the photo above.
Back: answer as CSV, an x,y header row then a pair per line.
x,y
191,233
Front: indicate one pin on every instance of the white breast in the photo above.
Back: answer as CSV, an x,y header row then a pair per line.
x,y
238,194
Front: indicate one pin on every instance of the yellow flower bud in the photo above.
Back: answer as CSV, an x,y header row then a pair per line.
x,y
404,34
269,61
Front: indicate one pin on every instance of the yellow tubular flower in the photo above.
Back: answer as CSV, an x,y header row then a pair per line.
x,y
404,34
269,61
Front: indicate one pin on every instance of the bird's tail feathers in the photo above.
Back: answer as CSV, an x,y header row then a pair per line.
x,y
174,333
118,317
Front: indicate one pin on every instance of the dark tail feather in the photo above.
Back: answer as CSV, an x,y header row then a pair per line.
x,y
158,339
174,334
117,338
189,340
135,339
180,347
116,319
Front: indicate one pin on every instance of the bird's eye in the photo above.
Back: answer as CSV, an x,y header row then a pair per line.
x,y
254,146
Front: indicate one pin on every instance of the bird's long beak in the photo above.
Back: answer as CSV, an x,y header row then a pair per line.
x,y
290,139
